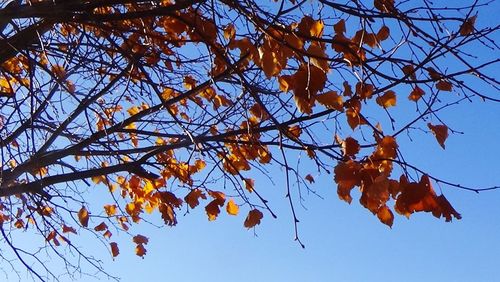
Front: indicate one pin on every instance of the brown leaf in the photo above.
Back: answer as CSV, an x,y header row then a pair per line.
x,y
416,94
139,239
101,227
383,33
309,178
468,26
254,217
446,209
444,85
114,249
441,133
83,217
192,198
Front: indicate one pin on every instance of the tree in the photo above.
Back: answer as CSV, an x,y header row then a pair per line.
x,y
177,104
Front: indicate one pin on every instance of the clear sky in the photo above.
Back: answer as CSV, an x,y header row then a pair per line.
x,y
343,242
346,242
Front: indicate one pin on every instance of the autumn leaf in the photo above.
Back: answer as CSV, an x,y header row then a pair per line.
x,y
140,250
468,26
232,208
387,100
383,33
385,215
110,209
347,177
68,229
444,85
101,227
309,178
192,199
440,132
254,217
212,209
416,94
140,239
114,249
249,184
331,100
83,217
350,147
446,209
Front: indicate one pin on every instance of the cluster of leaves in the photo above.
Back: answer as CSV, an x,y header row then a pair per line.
x,y
176,104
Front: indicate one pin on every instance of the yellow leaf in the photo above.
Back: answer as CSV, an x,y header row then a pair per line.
x,y
110,209
232,208
83,217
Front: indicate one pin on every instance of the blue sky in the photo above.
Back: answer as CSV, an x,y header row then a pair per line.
x,y
343,242
346,242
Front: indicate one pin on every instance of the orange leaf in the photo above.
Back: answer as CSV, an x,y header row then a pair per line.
x,y
232,208
140,250
110,210
229,31
350,147
441,133
253,218
295,131
114,249
331,100
385,215
83,217
387,100
347,176
318,56
416,94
